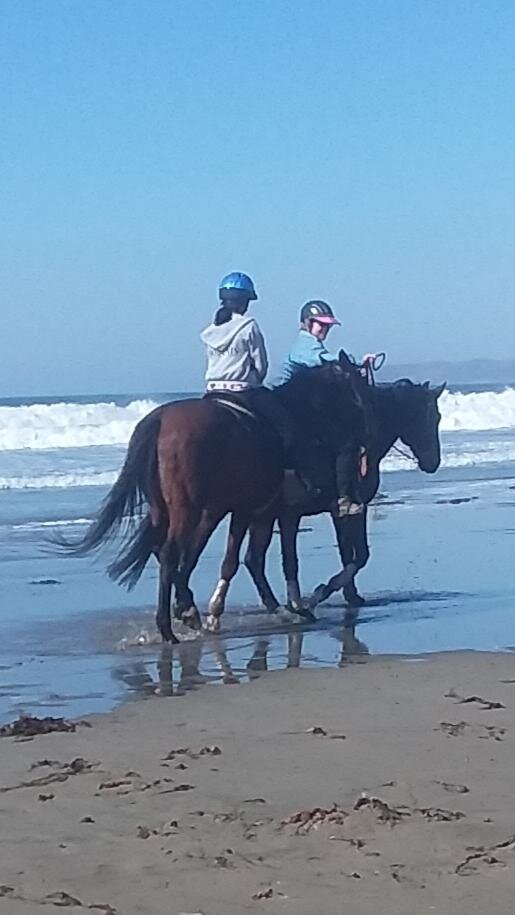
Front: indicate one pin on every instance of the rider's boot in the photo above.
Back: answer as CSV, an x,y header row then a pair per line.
x,y
347,477
345,507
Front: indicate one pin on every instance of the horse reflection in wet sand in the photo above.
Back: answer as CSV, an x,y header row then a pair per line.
x,y
179,668
191,463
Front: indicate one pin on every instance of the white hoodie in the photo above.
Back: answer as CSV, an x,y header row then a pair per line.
x,y
236,353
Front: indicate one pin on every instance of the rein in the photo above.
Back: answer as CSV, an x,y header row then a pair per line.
x,y
371,366
368,369
404,454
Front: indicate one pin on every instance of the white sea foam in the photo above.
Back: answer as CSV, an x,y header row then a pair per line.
x,y
58,480
476,412
69,425
469,454
45,447
37,525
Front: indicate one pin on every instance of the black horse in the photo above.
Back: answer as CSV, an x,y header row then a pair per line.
x,y
401,410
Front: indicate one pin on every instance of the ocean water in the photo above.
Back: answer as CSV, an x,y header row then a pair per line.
x,y
72,642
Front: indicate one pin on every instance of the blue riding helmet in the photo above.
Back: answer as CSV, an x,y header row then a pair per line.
x,y
235,285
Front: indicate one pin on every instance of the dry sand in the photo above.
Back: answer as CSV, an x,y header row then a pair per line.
x,y
371,789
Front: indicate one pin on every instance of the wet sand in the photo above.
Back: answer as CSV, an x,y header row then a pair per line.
x,y
439,578
382,787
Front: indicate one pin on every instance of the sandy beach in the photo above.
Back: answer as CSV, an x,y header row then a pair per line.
x,y
385,786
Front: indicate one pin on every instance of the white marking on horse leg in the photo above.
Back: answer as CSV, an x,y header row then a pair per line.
x,y
217,603
293,593
212,623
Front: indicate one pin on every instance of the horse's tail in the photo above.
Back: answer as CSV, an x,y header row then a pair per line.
x,y
125,503
128,566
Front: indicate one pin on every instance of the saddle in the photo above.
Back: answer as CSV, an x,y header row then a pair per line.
x,y
238,409
261,410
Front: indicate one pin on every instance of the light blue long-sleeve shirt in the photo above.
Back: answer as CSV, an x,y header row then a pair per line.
x,y
306,351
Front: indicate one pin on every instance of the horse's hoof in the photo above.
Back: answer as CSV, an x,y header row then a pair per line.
x,y
191,618
273,611
169,638
212,623
319,595
302,609
354,600
306,612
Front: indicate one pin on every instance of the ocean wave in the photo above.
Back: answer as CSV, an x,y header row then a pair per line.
x,y
469,454
72,425
37,525
58,480
69,425
477,412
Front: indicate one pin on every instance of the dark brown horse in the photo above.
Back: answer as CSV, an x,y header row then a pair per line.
x,y
401,410
191,463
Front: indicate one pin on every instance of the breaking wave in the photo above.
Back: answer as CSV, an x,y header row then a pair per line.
x,y
70,445
478,412
69,425
73,425
58,480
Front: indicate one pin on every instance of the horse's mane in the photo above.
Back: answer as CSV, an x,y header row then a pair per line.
x,y
324,397
403,394
308,377
315,385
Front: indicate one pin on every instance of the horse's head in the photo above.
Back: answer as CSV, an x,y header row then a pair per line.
x,y
419,419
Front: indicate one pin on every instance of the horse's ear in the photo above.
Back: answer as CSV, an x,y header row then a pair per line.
x,y
439,389
426,385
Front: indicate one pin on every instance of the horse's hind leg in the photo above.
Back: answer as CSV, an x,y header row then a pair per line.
x,y
168,558
260,535
185,607
237,530
289,527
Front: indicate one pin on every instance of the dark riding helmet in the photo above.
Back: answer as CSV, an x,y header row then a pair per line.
x,y
316,310
236,286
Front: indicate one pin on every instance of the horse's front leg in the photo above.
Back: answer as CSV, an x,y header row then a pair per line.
x,y
289,528
355,549
344,578
237,530
351,536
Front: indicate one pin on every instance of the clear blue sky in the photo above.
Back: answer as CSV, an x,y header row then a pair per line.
x,y
362,152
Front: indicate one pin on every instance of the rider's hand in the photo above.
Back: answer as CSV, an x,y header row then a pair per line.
x,y
368,358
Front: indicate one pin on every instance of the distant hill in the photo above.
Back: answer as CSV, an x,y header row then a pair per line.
x,y
472,371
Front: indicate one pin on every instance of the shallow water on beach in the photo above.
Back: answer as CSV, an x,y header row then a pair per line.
x,y
440,578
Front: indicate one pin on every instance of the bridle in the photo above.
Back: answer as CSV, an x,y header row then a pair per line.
x,y
368,370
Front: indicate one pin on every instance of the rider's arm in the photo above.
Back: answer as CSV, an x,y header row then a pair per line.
x,y
258,352
314,352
